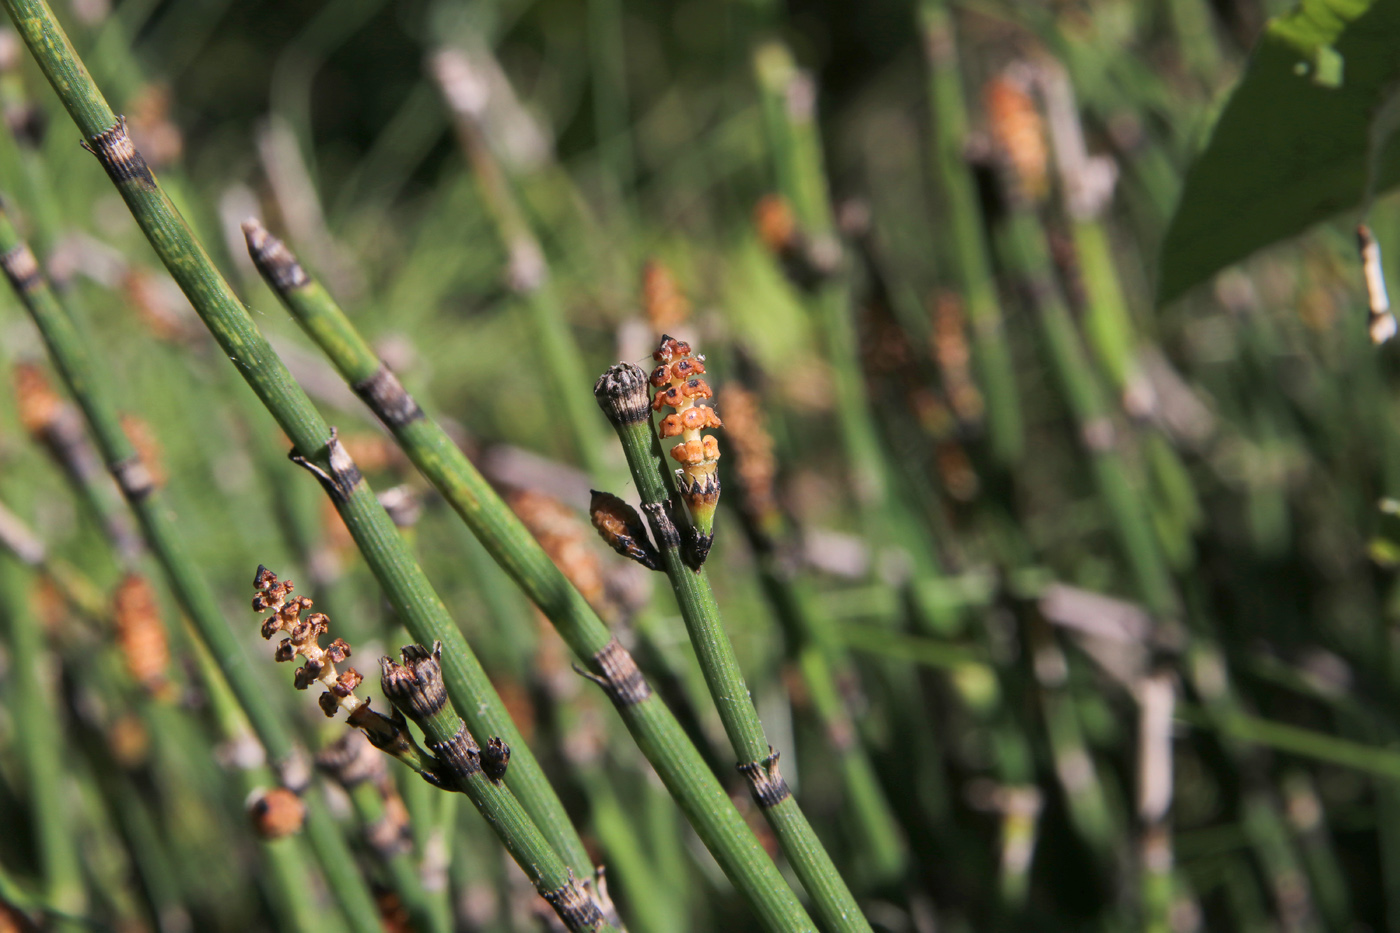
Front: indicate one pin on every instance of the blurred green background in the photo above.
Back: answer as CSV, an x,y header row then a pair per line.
x,y
1108,587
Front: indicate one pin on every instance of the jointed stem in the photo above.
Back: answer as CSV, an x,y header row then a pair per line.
x,y
315,446
652,724
966,246
415,688
72,360
623,393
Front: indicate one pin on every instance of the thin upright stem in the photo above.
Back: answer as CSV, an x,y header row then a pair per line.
x,y
652,724
71,358
1029,256
966,248
415,688
40,742
314,444
622,392
528,275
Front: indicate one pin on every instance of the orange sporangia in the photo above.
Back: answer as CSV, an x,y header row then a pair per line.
x,y
148,448
140,633
679,385
663,302
1018,132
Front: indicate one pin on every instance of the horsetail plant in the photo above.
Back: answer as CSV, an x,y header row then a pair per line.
x,y
652,724
453,759
45,779
622,394
466,93
965,246
71,358
315,445
820,658
354,764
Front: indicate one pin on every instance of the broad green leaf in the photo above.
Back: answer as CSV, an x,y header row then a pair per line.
x,y
1293,145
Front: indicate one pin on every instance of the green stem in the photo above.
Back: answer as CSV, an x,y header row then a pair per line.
x,y
1307,743
652,724
397,859
622,391
315,445
966,242
1029,256
71,358
19,540
285,877
811,645
40,740
415,688
528,274
790,111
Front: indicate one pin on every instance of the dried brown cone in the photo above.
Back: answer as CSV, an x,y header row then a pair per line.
x,y
1018,132
495,758
622,528
663,302
303,640
140,634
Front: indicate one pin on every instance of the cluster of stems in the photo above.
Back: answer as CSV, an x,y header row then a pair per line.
x,y
622,394
453,759
658,734
315,445
73,361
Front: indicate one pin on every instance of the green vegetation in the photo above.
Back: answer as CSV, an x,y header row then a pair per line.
x,y
938,575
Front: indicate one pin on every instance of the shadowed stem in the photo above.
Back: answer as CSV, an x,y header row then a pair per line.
x,y
966,247
40,743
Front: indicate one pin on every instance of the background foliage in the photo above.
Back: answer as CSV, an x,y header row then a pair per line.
x,y
1214,466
